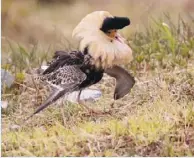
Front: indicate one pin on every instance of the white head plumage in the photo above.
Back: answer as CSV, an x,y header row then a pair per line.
x,y
105,50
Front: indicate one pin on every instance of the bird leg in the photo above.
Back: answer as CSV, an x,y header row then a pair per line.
x,y
83,104
112,104
86,107
62,111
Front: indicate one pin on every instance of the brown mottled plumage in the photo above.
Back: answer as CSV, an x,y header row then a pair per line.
x,y
101,49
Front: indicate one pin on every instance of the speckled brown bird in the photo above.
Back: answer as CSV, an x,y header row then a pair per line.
x,y
101,50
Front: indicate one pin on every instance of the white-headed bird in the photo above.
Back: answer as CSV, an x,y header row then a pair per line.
x,y
101,50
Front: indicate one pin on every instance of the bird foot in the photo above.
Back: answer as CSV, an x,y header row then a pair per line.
x,y
112,105
98,112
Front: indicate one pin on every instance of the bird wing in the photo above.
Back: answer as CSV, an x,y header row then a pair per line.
x,y
64,80
124,81
62,58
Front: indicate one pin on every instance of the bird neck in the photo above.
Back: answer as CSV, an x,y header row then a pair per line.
x,y
90,61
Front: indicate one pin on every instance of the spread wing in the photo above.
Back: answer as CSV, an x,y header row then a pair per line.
x,y
64,80
124,81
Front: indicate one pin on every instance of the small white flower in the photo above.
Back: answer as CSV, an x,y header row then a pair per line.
x,y
165,24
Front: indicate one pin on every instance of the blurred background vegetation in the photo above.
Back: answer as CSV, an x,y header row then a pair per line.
x,y
159,30
155,119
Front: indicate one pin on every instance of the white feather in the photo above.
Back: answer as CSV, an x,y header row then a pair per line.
x,y
100,45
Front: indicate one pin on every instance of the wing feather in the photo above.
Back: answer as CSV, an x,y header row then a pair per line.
x,y
62,58
64,80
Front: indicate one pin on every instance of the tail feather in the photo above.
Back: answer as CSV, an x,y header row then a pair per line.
x,y
52,98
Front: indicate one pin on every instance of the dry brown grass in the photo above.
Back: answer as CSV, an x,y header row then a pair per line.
x,y
155,119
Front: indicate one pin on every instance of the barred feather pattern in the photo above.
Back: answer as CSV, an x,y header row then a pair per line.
x,y
64,76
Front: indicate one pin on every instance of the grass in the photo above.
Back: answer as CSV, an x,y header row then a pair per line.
x,y
161,127
155,119
164,44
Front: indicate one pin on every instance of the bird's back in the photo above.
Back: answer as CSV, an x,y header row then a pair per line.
x,y
62,58
77,62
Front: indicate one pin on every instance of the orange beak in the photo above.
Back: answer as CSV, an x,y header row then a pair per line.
x,y
111,33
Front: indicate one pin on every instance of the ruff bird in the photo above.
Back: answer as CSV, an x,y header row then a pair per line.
x,y
101,50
